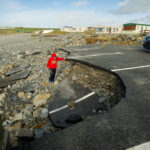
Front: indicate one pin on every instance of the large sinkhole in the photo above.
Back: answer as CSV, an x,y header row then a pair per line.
x,y
84,90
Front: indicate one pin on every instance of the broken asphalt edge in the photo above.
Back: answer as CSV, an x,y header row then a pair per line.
x,y
98,68
121,83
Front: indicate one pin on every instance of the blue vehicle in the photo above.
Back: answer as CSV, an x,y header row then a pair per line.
x,y
146,43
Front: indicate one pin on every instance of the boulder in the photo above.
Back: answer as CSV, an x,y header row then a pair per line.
x,y
18,117
19,76
101,100
71,104
14,141
7,122
34,76
26,133
44,84
5,68
42,96
120,39
21,95
20,56
40,102
41,99
140,39
28,87
16,126
1,112
44,113
17,69
2,97
28,110
56,83
29,107
36,53
27,52
37,112
4,83
41,124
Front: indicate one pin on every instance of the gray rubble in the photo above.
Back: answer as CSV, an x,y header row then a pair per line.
x,y
4,83
17,69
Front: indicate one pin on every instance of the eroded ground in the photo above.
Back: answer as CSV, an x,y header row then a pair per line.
x,y
26,94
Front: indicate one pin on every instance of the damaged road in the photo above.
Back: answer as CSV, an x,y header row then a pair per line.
x,y
124,126
89,89
84,91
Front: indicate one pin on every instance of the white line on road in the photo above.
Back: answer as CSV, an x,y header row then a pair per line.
x,y
131,68
95,55
144,146
77,101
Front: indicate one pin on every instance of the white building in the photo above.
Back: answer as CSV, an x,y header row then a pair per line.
x,y
47,31
74,29
109,29
66,29
134,28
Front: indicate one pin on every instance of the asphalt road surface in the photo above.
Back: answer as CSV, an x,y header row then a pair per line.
x,y
123,127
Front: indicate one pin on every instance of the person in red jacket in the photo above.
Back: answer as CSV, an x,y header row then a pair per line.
x,y
52,65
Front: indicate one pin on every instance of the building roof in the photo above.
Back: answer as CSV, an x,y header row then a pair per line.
x,y
130,24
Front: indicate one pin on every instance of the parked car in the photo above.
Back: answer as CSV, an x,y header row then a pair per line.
x,y
146,43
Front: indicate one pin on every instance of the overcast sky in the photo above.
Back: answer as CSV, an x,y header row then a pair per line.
x,y
58,13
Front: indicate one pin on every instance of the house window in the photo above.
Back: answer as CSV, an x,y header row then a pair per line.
x,y
114,29
99,29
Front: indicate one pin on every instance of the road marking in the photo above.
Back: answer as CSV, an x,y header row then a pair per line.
x,y
77,101
131,68
85,49
95,55
144,146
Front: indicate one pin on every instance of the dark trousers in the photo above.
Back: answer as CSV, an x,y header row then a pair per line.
x,y
52,75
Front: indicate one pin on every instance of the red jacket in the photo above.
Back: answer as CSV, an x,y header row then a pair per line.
x,y
52,62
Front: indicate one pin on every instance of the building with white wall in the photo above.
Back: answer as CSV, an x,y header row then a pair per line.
x,y
74,29
109,29
47,31
135,28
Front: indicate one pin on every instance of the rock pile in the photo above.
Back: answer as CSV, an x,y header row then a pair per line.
x,y
116,39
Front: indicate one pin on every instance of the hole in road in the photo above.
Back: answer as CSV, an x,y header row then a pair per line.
x,y
84,90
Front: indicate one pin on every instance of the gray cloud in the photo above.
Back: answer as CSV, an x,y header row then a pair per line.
x,y
80,3
11,5
145,20
59,18
126,7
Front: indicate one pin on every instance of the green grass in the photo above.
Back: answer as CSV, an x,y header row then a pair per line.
x,y
24,30
58,32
